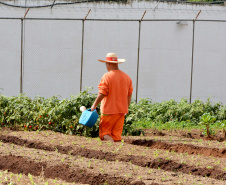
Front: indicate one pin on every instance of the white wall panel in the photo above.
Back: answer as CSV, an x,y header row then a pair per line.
x,y
165,61
10,44
209,78
52,61
52,49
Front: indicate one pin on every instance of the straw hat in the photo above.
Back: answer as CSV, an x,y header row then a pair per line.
x,y
112,58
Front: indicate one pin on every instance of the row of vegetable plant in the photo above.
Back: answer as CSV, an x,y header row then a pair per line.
x,y
62,115
182,114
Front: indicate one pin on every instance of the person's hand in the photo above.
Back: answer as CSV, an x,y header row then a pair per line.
x,y
97,101
93,107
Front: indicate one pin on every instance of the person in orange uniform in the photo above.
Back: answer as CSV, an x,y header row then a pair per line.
x,y
115,93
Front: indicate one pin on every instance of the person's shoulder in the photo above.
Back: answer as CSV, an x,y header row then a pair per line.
x,y
125,74
105,75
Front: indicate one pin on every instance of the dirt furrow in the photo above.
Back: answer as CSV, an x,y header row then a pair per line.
x,y
180,148
193,134
9,178
167,165
18,164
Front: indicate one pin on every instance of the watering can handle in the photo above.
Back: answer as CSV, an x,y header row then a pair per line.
x,y
90,110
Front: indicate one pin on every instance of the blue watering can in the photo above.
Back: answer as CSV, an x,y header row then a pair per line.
x,y
88,118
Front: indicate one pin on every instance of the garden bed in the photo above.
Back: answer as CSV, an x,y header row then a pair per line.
x,y
148,159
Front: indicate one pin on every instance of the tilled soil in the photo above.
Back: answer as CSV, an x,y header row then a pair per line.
x,y
18,164
193,134
94,149
181,148
7,177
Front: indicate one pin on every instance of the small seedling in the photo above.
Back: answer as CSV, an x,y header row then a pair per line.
x,y
156,153
20,176
89,165
102,170
109,143
206,120
31,179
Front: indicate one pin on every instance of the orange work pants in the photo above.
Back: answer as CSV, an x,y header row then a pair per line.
x,y
112,125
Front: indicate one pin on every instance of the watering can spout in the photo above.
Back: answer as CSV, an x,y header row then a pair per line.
x,y
82,108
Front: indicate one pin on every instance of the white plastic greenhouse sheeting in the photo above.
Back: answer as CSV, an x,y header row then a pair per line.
x,y
52,49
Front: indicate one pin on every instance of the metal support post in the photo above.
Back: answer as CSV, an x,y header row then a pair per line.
x,y
22,51
21,57
83,27
192,59
138,55
53,3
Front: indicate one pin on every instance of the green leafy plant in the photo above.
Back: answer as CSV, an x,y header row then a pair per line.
x,y
222,125
24,113
62,115
206,120
146,112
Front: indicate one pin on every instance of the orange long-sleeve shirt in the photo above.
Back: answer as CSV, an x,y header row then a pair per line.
x,y
116,86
